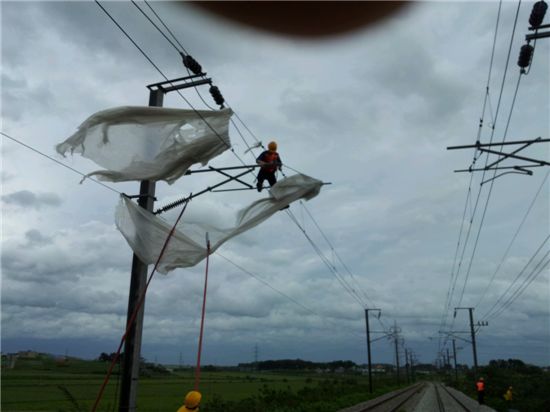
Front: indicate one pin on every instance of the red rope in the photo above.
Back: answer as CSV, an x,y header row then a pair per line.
x,y
198,369
135,313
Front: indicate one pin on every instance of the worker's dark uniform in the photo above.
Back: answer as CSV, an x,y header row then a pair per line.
x,y
268,172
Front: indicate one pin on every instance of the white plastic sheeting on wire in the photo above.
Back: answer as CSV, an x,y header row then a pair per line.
x,y
146,232
149,143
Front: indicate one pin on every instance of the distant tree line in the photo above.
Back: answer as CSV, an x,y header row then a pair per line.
x,y
106,357
297,364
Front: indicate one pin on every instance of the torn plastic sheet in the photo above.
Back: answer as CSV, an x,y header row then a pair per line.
x,y
149,143
146,232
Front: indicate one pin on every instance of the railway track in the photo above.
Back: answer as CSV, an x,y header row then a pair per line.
x,y
392,402
452,403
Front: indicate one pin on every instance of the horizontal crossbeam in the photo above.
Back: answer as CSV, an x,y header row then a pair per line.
x,y
478,144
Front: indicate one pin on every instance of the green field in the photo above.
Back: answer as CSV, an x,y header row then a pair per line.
x,y
44,385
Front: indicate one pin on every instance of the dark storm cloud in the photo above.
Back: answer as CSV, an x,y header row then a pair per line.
x,y
35,237
28,199
17,94
64,255
62,299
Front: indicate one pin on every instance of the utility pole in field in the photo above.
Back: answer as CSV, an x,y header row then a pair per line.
x,y
407,365
368,343
454,358
395,333
138,280
472,334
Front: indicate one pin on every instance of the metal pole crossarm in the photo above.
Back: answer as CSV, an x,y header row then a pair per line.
x,y
521,168
192,196
505,156
162,85
233,190
380,337
478,144
533,36
217,169
185,86
542,26
139,196
227,175
513,156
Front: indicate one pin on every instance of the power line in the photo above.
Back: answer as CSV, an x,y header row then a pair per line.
x,y
58,162
157,27
324,259
452,281
165,26
166,78
259,279
346,286
180,51
486,162
367,298
488,313
532,276
513,238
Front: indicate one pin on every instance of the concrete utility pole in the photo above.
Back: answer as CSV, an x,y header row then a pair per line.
x,y
132,344
395,331
413,376
138,280
368,343
407,365
454,358
473,336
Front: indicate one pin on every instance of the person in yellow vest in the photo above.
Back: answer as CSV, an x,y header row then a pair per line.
x,y
191,402
480,387
508,395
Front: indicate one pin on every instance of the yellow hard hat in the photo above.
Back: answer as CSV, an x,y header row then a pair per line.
x,y
192,399
272,146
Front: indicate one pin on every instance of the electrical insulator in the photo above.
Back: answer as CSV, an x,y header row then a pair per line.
x,y
191,63
525,55
218,98
537,14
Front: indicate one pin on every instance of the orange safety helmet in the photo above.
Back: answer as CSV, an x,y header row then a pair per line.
x,y
272,146
192,399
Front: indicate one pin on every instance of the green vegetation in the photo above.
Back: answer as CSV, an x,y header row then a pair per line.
x,y
71,385
531,385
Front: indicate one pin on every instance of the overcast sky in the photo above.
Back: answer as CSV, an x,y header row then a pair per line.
x,y
372,112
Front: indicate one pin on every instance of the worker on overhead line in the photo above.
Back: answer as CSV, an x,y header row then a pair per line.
x,y
269,162
191,402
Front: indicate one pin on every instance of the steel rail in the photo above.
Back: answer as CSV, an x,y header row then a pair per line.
x,y
454,398
407,392
440,405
